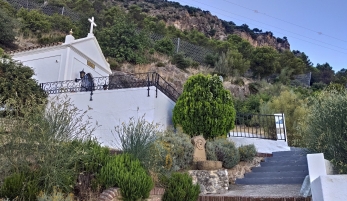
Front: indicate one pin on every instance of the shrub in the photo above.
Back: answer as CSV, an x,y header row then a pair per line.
x,y
180,61
12,186
181,187
20,185
56,195
126,172
205,107
227,153
325,127
41,140
174,151
210,151
95,157
136,138
34,20
239,81
247,152
160,64
8,25
294,109
164,46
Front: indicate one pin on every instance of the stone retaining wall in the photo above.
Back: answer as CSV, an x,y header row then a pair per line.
x,y
113,194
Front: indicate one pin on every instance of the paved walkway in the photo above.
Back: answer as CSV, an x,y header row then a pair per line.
x,y
268,191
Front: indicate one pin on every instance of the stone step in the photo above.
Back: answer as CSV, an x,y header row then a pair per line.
x,y
284,168
276,174
284,158
256,181
283,163
289,153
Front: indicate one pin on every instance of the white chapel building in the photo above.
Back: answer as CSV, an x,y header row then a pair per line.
x,y
64,61
61,70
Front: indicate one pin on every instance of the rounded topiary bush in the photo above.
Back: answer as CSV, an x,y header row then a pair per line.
x,y
247,152
180,187
125,171
205,107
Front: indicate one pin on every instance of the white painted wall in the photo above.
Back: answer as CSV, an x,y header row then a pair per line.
x,y
316,165
112,107
329,188
48,65
65,61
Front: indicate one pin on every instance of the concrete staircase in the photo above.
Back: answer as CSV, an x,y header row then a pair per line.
x,y
284,167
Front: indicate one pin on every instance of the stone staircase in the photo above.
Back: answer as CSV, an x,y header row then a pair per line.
x,y
284,167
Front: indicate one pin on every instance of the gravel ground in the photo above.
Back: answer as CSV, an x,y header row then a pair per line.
x,y
268,191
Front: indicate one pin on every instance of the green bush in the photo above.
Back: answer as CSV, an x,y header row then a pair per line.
x,y
180,187
173,151
247,152
95,157
210,151
8,25
20,185
136,137
227,153
12,186
294,109
56,195
125,171
41,140
238,81
205,107
34,20
164,46
180,61
325,127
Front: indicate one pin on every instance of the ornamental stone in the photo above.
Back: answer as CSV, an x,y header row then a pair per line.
x,y
199,148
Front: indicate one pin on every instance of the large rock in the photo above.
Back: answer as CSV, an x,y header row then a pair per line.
x,y
211,181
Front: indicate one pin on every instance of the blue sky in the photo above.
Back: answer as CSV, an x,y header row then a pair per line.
x,y
316,27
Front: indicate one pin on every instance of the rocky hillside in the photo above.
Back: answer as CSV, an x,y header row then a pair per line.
x,y
188,18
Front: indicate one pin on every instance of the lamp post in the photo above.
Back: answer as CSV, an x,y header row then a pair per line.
x,y
82,74
86,82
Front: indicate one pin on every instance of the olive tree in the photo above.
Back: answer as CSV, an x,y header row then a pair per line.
x,y
205,107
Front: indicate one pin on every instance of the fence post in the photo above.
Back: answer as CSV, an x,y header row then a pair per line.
x,y
148,84
62,11
178,45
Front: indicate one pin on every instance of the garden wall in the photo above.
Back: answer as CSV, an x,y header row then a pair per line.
x,y
110,108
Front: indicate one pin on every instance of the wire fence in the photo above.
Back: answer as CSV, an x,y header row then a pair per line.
x,y
195,52
45,8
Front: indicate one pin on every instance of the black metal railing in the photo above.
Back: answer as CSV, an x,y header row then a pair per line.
x,y
111,82
259,126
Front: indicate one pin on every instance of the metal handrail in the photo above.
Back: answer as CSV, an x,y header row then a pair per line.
x,y
112,82
263,126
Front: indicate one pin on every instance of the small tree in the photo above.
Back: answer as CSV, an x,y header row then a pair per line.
x,y
205,107
16,82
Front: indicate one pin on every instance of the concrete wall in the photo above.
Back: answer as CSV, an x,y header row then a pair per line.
x,y
329,188
112,107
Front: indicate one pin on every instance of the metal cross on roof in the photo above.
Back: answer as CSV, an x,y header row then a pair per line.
x,y
92,24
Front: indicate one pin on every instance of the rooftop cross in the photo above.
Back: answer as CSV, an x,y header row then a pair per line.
x,y
92,24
